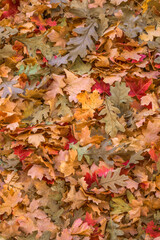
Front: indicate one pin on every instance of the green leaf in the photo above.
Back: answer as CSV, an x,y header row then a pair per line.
x,y
80,67
80,150
112,125
63,106
112,229
119,206
112,179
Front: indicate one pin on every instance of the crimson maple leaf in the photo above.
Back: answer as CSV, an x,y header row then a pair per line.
x,y
89,219
101,87
138,86
21,152
90,179
153,230
71,139
13,8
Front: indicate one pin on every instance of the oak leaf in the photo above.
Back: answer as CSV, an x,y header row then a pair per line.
x,y
112,178
112,125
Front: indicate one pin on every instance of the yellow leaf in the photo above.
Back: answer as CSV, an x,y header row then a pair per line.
x,y
67,167
145,5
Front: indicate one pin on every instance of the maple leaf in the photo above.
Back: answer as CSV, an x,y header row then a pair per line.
x,y
152,229
90,101
13,8
55,87
75,85
81,228
138,86
150,133
112,125
89,219
78,198
58,36
37,171
71,139
90,179
101,87
84,137
80,68
67,167
36,139
81,151
22,153
11,199
112,178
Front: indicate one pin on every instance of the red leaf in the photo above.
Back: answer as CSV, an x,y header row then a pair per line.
x,y
21,152
51,23
90,179
152,229
39,21
71,139
13,8
103,171
101,87
153,155
89,219
138,86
